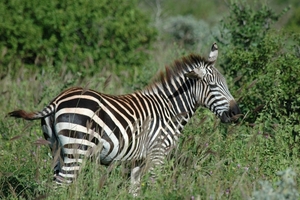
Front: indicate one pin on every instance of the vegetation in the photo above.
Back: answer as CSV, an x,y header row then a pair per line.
x,y
256,158
79,36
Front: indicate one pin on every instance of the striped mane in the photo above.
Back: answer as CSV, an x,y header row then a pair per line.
x,y
177,69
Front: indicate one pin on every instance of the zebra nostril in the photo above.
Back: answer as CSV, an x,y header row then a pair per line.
x,y
232,113
234,108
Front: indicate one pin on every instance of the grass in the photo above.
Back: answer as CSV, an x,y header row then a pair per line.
x,y
212,161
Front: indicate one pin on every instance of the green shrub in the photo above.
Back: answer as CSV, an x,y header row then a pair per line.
x,y
83,35
188,33
248,25
285,188
265,64
294,22
186,30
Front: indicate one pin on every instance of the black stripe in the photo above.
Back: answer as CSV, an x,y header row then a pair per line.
x,y
80,135
79,103
136,103
77,91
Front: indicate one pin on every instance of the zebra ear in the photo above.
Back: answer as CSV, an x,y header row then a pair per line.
x,y
197,73
213,55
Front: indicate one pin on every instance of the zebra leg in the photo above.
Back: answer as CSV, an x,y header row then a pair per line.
x,y
156,159
50,136
76,149
73,158
156,164
135,180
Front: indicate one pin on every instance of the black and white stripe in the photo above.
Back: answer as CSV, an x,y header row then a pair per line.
x,y
81,122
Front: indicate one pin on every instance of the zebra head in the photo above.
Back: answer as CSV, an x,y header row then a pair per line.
x,y
212,90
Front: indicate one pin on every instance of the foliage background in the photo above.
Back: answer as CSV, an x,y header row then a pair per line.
x,y
79,36
49,46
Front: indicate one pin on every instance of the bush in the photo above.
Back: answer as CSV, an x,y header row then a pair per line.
x,y
294,22
188,32
84,35
266,66
286,187
248,25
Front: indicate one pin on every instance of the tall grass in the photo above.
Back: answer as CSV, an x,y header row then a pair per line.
x,y
212,161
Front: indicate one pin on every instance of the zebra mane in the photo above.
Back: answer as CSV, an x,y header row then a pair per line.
x,y
178,68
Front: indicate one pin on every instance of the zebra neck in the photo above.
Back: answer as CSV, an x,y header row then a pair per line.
x,y
178,99
183,110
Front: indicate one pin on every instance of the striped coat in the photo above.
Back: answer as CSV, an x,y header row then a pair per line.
x,y
146,124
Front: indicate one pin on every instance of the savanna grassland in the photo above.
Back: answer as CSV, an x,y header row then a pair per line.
x,y
117,47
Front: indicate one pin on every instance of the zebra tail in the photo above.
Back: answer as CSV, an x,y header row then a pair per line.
x,y
32,115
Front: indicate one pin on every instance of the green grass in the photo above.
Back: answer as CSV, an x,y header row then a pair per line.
x,y
212,161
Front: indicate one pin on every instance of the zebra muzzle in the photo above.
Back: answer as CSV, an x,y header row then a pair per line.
x,y
232,114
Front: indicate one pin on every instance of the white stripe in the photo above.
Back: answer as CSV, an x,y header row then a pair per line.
x,y
72,168
75,127
79,98
67,175
76,152
72,160
68,140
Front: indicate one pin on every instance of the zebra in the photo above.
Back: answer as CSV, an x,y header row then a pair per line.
x,y
145,124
